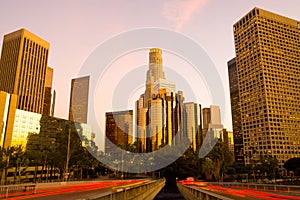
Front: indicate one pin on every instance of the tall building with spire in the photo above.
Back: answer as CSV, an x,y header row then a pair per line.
x,y
158,110
268,68
154,73
23,65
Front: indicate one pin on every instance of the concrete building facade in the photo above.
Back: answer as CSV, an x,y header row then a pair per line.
x,y
268,68
23,66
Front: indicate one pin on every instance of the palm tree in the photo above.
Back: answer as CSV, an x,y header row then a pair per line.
x,y
207,168
221,158
6,156
19,160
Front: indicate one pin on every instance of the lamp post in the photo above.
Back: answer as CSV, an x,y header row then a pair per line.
x,y
68,156
252,161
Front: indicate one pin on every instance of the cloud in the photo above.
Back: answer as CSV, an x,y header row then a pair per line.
x,y
179,12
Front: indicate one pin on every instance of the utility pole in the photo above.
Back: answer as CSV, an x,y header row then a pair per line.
x,y
68,156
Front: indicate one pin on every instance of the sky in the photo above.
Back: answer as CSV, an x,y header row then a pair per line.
x,y
76,28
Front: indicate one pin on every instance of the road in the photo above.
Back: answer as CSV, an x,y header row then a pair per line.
x,y
243,192
73,190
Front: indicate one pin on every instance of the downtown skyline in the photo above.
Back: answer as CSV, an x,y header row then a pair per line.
x,y
68,54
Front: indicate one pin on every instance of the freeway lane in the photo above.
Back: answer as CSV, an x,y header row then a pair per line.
x,y
242,192
74,190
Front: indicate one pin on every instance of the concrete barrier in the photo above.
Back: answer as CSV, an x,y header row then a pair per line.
x,y
194,193
264,187
17,190
136,191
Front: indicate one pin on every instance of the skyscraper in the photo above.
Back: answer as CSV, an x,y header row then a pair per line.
x,y
118,129
212,121
53,104
193,124
268,68
79,97
227,138
141,122
48,90
23,66
236,112
158,110
154,72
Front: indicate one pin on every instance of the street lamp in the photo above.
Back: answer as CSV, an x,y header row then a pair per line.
x,y
68,156
252,161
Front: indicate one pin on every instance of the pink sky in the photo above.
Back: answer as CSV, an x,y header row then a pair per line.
x,y
75,28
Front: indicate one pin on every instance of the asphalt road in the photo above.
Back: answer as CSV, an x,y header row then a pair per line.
x,y
73,191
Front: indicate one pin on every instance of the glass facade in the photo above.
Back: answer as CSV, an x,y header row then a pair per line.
x,y
119,129
193,124
25,123
41,128
236,112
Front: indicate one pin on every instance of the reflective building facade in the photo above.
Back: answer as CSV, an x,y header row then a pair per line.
x,y
118,129
25,123
48,91
79,99
193,124
236,112
212,126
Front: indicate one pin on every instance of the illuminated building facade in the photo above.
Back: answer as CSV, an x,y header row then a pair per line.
x,y
154,73
78,110
268,68
164,119
227,138
19,125
236,112
23,67
159,109
193,124
118,129
8,107
141,121
168,85
53,133
25,123
48,90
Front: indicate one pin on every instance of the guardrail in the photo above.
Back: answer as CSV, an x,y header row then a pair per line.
x,y
265,187
194,193
136,191
17,190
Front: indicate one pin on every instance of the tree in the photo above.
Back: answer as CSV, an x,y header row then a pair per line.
x,y
18,160
6,155
207,168
221,158
293,164
268,165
